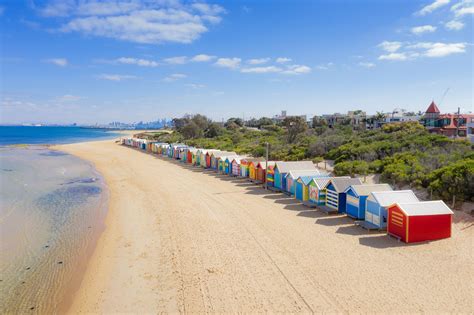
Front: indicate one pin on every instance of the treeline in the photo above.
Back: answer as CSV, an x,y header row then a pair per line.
x,y
402,153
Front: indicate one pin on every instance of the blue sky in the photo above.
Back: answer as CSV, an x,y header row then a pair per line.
x,y
91,61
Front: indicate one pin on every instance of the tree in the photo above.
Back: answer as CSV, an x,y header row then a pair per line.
x,y
213,130
295,126
264,121
234,121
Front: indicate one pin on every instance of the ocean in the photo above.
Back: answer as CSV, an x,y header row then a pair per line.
x,y
50,135
52,211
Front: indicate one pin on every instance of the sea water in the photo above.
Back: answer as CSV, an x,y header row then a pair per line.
x,y
50,135
52,210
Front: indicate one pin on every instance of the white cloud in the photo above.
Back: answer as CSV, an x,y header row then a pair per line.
x,y
2,10
297,69
454,25
463,7
436,50
68,98
325,66
202,58
138,62
269,69
61,62
195,85
174,77
418,30
149,22
366,64
176,60
433,6
426,49
231,63
390,46
394,56
258,61
116,77
283,60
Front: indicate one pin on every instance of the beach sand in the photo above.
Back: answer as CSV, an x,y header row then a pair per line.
x,y
180,239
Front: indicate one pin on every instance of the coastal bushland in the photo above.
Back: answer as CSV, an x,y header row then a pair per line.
x,y
404,154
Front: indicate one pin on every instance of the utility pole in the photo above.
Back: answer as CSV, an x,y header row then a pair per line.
x,y
266,166
457,124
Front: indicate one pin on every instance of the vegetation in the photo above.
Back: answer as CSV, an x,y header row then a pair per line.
x,y
404,154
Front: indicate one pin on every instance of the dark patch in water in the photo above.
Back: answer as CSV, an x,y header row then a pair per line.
x,y
7,170
53,153
60,202
82,181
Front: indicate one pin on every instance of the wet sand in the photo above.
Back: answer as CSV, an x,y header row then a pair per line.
x,y
180,239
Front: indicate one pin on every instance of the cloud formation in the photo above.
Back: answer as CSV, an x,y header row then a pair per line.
x,y
412,51
258,61
147,22
138,62
61,62
418,30
366,64
454,25
390,46
231,63
116,77
283,60
432,7
202,58
174,77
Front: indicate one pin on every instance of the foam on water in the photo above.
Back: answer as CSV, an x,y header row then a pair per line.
x,y
52,208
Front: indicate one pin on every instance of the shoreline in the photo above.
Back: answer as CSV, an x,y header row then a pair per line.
x,y
178,239
71,251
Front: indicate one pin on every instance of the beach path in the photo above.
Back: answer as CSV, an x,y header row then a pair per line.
x,y
181,239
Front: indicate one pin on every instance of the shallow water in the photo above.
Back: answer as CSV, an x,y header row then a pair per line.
x,y
52,208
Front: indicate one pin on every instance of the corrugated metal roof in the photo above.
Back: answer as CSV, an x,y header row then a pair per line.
x,y
425,208
285,167
307,179
223,153
269,163
322,182
341,183
296,174
365,190
387,198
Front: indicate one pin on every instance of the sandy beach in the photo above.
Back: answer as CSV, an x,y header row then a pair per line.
x,y
181,239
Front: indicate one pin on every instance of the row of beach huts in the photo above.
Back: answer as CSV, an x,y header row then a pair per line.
x,y
374,206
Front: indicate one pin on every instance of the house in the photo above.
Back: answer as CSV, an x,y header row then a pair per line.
x,y
317,190
419,221
302,186
216,155
244,166
262,171
253,169
270,173
235,166
336,192
292,176
228,164
209,154
281,169
356,196
378,201
450,125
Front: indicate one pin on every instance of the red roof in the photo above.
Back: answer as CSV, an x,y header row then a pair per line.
x,y
433,109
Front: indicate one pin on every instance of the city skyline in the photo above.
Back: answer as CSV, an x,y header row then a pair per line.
x,y
90,61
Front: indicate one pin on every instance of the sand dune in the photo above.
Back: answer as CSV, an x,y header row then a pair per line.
x,y
180,239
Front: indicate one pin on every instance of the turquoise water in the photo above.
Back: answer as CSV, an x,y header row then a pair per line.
x,y
52,209
50,135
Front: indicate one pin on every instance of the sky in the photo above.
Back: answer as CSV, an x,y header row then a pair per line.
x,y
89,61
